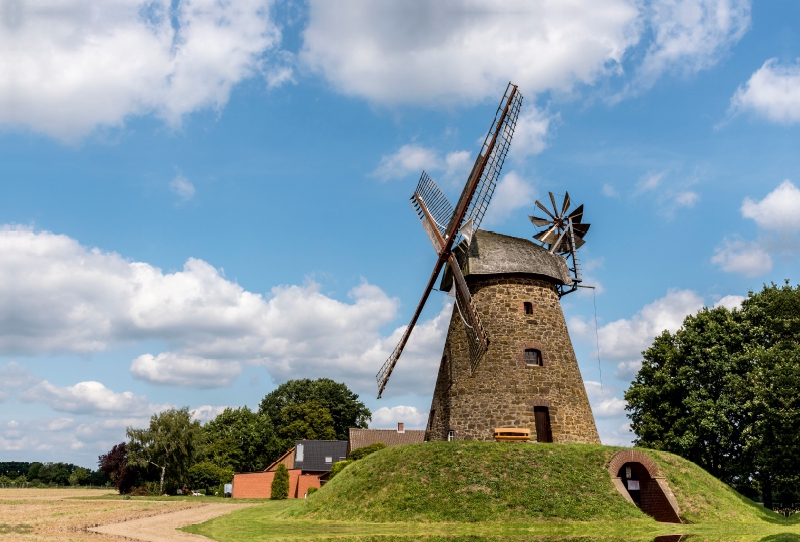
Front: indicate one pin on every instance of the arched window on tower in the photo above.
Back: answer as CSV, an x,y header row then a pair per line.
x,y
528,307
533,357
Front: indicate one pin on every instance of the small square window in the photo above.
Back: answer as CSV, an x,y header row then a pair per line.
x,y
533,357
451,435
528,307
328,460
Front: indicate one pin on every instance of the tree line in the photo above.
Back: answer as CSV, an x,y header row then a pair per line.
x,y
35,474
723,392
175,451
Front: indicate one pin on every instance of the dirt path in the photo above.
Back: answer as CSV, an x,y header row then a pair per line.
x,y
162,527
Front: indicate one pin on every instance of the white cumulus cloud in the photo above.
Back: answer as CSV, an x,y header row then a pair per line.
x,y
73,65
399,51
773,92
388,417
530,134
207,413
744,257
512,193
730,302
778,211
409,159
691,35
181,370
603,400
625,339
59,296
466,50
89,398
412,159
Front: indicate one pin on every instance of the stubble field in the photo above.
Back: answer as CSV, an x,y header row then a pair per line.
x,y
77,515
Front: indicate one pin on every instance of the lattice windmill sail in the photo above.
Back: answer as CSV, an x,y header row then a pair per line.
x,y
446,226
563,234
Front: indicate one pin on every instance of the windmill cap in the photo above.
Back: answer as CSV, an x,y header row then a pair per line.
x,y
492,253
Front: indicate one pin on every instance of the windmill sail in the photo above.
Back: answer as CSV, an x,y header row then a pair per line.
x,y
446,226
493,155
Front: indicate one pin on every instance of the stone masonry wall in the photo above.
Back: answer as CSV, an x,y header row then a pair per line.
x,y
504,390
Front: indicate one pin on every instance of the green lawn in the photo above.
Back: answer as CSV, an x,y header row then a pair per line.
x,y
272,520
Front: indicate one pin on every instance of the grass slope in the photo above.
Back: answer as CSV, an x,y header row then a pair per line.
x,y
491,482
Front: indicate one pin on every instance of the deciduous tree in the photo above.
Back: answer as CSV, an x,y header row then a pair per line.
x,y
722,392
171,443
342,404
310,421
241,440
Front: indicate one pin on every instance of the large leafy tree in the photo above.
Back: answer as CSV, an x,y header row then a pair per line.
x,y
310,421
684,398
722,392
342,404
171,443
241,440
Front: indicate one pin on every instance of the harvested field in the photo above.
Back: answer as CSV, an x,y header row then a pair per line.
x,y
55,515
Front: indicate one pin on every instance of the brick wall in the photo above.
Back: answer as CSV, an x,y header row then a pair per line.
x,y
656,504
252,485
294,475
306,481
258,485
504,390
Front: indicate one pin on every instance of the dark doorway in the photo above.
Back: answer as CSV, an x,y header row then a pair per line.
x,y
634,475
542,416
646,493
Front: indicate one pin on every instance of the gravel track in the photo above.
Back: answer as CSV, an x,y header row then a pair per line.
x,y
162,528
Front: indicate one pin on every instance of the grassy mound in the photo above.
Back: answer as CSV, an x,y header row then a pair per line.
x,y
487,481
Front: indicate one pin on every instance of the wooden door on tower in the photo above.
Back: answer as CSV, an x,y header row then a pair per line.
x,y
542,417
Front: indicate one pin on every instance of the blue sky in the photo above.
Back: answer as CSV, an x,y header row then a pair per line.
x,y
201,201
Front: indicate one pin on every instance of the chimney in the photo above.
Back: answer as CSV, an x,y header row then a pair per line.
x,y
400,428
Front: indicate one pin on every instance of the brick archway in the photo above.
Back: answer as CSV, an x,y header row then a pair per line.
x,y
654,498
632,456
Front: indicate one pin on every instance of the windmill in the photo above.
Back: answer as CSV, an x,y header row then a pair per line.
x,y
563,234
446,226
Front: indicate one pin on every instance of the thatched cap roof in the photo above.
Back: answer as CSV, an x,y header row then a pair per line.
x,y
492,253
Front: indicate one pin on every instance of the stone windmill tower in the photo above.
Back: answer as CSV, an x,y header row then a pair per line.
x,y
508,360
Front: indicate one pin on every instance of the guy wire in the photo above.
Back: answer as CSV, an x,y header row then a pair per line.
x,y
597,339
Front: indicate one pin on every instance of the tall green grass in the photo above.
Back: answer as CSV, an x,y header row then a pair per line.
x,y
500,482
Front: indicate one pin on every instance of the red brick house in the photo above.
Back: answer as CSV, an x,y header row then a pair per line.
x,y
390,437
307,462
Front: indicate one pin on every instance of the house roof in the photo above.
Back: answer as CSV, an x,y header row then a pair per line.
x,y
492,253
390,437
318,455
287,458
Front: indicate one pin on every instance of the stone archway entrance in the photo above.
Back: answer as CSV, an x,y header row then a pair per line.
x,y
637,478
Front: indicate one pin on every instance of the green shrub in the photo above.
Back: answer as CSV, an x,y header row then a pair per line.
x,y
280,483
364,451
206,475
312,490
337,468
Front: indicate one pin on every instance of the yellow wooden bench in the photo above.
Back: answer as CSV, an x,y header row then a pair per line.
x,y
512,434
